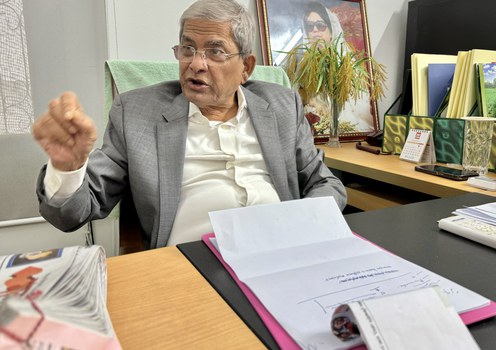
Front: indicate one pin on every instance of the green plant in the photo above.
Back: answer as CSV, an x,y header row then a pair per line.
x,y
336,69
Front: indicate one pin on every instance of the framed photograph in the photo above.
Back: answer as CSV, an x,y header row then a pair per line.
x,y
287,23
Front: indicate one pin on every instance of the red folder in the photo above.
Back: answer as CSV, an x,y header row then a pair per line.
x,y
284,339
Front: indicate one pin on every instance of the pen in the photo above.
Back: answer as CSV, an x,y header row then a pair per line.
x,y
367,149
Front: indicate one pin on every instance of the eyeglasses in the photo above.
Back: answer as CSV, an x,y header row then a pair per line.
x,y
320,25
185,53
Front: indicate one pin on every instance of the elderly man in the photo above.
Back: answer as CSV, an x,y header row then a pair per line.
x,y
212,140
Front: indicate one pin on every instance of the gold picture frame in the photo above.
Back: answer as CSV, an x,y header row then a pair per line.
x,y
282,26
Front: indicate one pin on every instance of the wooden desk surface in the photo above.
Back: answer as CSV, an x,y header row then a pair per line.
x,y
392,170
158,300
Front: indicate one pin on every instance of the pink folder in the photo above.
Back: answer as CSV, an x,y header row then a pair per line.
x,y
283,339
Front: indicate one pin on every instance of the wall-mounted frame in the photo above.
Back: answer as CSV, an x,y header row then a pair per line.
x,y
282,27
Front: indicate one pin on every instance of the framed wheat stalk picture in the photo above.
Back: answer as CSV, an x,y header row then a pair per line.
x,y
285,24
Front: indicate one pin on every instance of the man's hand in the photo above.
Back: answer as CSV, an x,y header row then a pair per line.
x,y
65,133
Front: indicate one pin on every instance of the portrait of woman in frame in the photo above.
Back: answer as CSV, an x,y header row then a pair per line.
x,y
286,23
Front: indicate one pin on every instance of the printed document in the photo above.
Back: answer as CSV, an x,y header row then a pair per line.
x,y
302,261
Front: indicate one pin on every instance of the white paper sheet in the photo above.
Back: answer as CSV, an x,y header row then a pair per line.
x,y
430,323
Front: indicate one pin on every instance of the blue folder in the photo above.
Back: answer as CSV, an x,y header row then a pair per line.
x,y
439,79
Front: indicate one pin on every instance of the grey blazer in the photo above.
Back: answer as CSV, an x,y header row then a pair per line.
x,y
143,151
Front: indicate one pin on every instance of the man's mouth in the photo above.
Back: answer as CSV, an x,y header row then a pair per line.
x,y
197,82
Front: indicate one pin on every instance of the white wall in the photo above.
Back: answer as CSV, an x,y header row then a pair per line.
x,y
147,30
67,47
387,31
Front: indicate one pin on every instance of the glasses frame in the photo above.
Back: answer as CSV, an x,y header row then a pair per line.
x,y
321,26
203,54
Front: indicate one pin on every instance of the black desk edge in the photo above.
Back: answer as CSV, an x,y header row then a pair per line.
x,y
212,270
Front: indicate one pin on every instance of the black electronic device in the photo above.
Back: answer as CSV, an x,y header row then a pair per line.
x,y
447,172
375,138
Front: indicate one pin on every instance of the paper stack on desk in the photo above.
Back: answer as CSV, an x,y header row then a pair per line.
x,y
301,260
484,212
477,223
55,299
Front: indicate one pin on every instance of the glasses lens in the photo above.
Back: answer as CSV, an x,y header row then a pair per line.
x,y
320,25
184,52
215,55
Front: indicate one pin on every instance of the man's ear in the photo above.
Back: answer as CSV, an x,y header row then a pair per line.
x,y
249,63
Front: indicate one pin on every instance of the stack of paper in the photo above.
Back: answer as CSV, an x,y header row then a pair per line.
x,y
457,84
55,299
463,96
302,262
484,212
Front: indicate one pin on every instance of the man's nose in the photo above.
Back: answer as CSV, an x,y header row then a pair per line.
x,y
199,61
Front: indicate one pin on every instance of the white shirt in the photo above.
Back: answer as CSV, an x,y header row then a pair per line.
x,y
224,168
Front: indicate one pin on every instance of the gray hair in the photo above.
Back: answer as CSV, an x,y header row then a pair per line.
x,y
242,25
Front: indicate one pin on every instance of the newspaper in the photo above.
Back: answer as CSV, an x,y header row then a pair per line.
x,y
55,299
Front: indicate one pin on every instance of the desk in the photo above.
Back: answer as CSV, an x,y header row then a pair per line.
x,y
158,300
410,231
391,170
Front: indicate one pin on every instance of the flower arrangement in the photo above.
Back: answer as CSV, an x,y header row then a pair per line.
x,y
334,70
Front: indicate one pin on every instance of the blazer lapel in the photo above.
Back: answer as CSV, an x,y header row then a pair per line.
x,y
265,124
171,145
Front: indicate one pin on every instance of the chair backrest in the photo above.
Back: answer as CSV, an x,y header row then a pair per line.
x,y
124,75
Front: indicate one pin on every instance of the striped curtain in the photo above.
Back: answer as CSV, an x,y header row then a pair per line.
x,y
16,105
